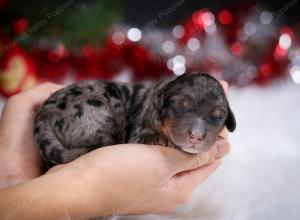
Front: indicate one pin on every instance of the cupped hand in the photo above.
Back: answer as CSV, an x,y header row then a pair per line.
x,y
133,179
136,179
120,179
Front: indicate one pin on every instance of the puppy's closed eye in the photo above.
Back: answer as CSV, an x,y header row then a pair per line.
x,y
178,103
218,112
177,107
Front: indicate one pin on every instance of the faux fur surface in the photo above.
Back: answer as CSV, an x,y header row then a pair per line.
x,y
260,178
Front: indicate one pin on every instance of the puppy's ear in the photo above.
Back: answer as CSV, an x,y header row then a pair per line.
x,y
160,93
230,121
158,98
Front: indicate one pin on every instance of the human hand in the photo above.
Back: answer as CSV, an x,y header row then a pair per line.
x,y
137,179
131,179
19,158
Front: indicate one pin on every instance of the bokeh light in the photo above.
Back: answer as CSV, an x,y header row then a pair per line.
x,y
134,34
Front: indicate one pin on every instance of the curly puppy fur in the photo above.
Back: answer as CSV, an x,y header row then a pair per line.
x,y
186,113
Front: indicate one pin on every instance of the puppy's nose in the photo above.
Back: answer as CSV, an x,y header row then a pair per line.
x,y
196,136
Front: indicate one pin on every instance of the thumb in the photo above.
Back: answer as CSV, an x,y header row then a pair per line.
x,y
198,160
225,86
189,180
181,161
217,151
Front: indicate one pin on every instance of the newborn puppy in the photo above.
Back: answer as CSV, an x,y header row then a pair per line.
x,y
185,113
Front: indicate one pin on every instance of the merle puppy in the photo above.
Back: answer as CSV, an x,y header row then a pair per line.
x,y
186,113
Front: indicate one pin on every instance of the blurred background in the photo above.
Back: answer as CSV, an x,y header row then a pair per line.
x,y
254,45
243,42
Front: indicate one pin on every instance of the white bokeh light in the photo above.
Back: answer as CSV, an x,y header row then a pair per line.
x,y
211,28
295,74
193,44
266,17
178,31
208,18
250,28
179,69
134,34
118,38
179,59
296,60
170,64
285,41
168,47
177,64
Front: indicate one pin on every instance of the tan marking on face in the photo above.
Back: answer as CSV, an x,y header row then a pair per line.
x,y
166,127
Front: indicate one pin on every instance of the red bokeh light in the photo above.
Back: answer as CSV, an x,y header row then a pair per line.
x,y
237,48
20,25
198,18
265,69
52,56
279,52
87,50
287,30
225,17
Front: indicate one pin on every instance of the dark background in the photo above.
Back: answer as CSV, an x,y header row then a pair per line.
x,y
139,12
88,20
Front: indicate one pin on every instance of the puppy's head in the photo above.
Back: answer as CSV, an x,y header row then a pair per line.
x,y
193,109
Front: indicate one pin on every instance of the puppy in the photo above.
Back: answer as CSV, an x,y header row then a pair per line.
x,y
185,113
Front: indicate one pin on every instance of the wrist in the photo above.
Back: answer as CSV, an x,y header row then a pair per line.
x,y
7,177
58,195
31,200
75,194
85,194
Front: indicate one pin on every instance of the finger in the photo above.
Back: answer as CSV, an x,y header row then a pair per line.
x,y
37,95
223,133
218,150
223,147
190,162
189,180
225,86
29,100
180,161
21,108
